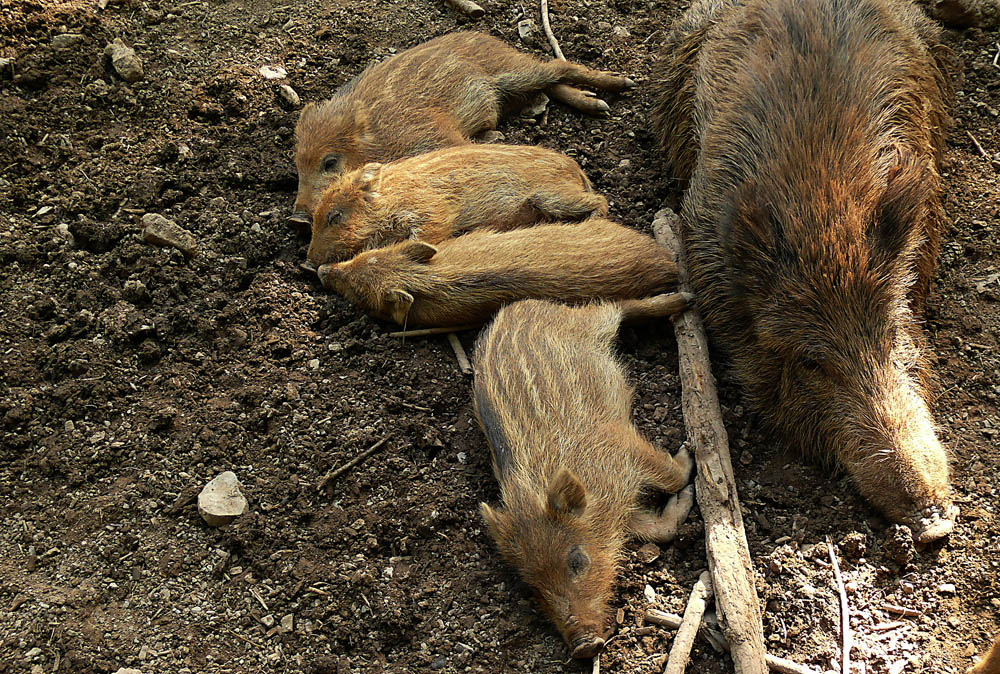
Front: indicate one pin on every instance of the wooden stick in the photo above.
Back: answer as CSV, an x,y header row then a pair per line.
x,y
467,7
426,332
902,610
978,146
463,360
774,663
680,651
725,537
596,666
334,474
548,31
845,611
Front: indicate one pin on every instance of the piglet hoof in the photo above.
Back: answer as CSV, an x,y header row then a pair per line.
x,y
587,646
323,272
933,523
584,101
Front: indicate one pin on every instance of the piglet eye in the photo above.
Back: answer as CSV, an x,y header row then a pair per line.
x,y
335,216
331,163
577,561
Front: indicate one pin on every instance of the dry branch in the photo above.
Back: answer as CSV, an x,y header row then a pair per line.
x,y
680,651
845,613
902,610
548,31
463,360
774,663
467,7
337,472
426,332
725,537
975,141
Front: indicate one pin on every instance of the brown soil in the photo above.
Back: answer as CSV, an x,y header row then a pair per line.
x,y
129,377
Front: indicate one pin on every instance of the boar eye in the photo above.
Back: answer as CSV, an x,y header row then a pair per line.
x,y
331,163
811,364
335,216
577,561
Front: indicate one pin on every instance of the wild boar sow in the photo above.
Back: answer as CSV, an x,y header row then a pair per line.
x,y
809,132
436,195
575,475
434,95
467,278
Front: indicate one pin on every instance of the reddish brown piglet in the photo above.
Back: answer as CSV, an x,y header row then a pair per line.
x,y
439,194
440,93
576,476
466,279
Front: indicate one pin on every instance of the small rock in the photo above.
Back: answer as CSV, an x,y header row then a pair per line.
x,y
128,670
98,88
649,553
32,560
267,621
160,231
66,40
946,588
288,95
649,593
220,502
63,231
535,106
124,60
134,291
33,652
526,29
314,364
854,545
898,545
6,66
621,32
288,623
273,72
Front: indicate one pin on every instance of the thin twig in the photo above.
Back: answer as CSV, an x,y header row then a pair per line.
x,y
243,638
548,31
334,474
426,332
463,360
774,663
902,610
845,612
680,651
467,7
978,146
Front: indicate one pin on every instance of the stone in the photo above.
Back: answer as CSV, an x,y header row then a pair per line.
x,y
649,553
128,670
124,60
535,106
854,545
946,588
66,40
160,231
221,501
288,95
273,72
526,30
63,231
288,623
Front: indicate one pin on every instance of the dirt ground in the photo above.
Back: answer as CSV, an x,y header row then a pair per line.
x,y
129,377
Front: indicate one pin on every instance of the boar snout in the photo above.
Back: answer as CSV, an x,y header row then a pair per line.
x,y
587,646
300,218
933,523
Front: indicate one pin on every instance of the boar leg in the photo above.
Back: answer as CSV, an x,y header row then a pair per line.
x,y
573,73
555,206
584,101
663,526
649,309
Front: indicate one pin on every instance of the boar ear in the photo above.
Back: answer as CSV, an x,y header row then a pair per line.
x,y
896,228
566,494
398,302
418,251
370,179
329,274
495,519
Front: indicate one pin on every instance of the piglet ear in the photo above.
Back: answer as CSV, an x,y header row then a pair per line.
x,y
566,494
398,302
418,251
370,179
896,231
495,519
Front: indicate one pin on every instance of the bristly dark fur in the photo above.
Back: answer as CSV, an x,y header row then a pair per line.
x,y
808,133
